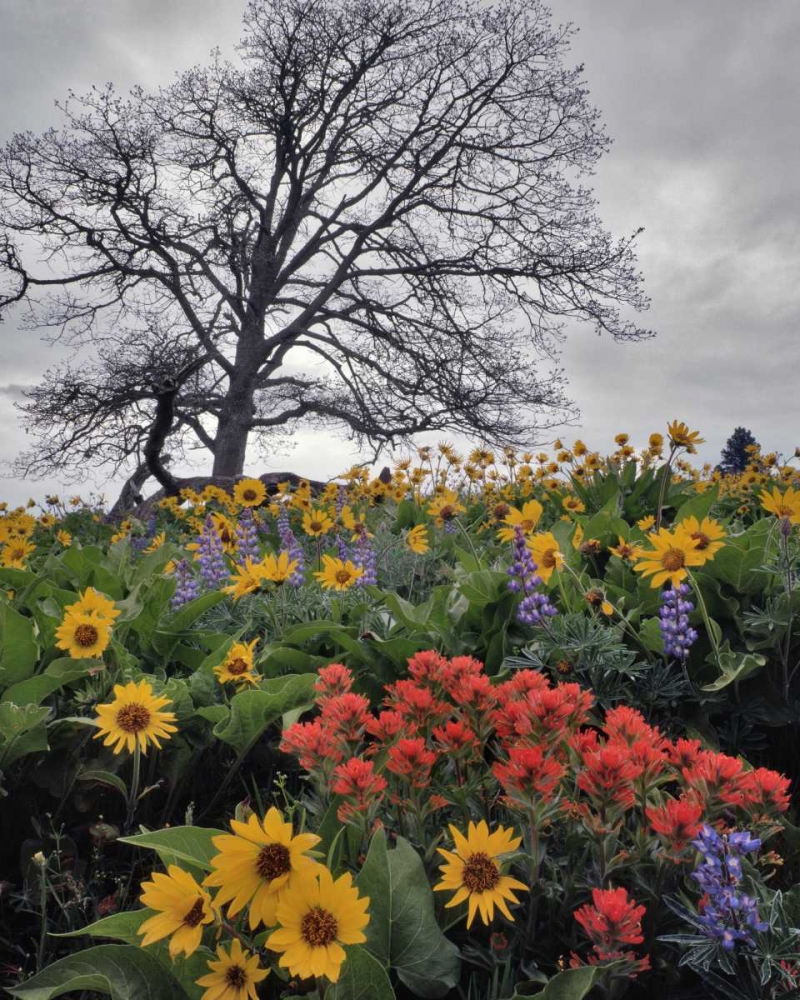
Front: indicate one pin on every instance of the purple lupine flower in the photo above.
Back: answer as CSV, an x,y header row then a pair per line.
x,y
211,556
341,498
247,537
365,558
341,545
729,915
293,548
535,604
677,634
187,586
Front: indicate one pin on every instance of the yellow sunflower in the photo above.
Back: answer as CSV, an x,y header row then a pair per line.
x,y
93,602
315,919
183,908
258,862
671,554
156,543
338,574
708,534
83,634
64,538
782,505
546,554
134,718
527,519
316,522
254,576
417,540
445,508
250,492
14,554
474,871
237,667
646,523
681,437
573,504
226,530
623,550
234,976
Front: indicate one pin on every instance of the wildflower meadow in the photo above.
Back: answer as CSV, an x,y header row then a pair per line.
x,y
492,726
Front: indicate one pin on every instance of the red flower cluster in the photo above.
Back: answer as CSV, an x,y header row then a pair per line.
x,y
611,923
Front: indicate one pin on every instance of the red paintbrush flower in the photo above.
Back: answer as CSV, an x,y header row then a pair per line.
x,y
677,821
333,680
456,737
529,773
316,745
611,922
767,790
357,781
347,714
428,666
608,775
417,704
717,778
411,760
389,725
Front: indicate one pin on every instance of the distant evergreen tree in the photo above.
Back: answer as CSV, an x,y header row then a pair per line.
x,y
735,457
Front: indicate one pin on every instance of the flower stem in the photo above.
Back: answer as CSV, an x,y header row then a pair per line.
x,y
133,791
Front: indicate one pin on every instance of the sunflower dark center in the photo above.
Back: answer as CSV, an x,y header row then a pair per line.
x,y
249,494
480,873
702,539
236,977
86,635
548,559
133,718
673,559
195,915
238,666
316,525
273,861
448,512
526,525
319,927
343,576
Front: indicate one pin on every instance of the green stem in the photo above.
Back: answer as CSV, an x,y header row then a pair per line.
x,y
43,922
662,493
133,791
706,620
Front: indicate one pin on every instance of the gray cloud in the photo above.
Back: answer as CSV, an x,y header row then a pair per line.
x,y
700,99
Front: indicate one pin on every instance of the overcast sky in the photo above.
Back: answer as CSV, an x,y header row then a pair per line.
x,y
700,97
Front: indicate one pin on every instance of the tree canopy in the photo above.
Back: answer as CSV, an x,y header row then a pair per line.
x,y
374,218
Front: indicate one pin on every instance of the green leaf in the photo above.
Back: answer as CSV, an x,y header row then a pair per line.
x,y
19,651
252,711
483,586
119,926
571,984
734,666
191,844
104,778
403,932
22,731
362,978
122,971
698,506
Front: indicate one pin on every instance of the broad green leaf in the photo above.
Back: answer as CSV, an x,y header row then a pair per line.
x,y
734,666
122,971
168,635
178,843
119,927
253,711
105,778
33,691
483,586
18,648
698,506
571,984
403,933
362,978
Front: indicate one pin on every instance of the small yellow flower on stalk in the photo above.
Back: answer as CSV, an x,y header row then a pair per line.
x,y
234,976
656,442
646,523
64,538
356,525
47,520
183,908
417,540
573,504
254,577
622,439
237,667
14,555
250,492
338,574
708,534
258,862
156,543
445,508
92,601
474,871
546,554
527,519
315,919
134,718
317,522
623,550
671,555
782,505
124,531
83,634
681,437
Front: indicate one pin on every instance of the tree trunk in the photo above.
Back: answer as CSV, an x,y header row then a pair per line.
x,y
233,428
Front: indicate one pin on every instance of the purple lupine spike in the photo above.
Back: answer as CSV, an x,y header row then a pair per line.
x,y
365,558
341,545
535,605
247,537
211,556
293,548
677,634
187,586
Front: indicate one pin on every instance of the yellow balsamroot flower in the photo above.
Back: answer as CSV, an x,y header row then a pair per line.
x,y
357,525
234,976
250,492
336,574
782,505
708,534
573,504
622,439
93,602
656,442
577,537
64,538
47,520
14,554
156,543
646,523
83,634
417,540
623,550
546,554
237,667
182,906
672,553
124,531
317,522
254,576
315,919
474,871
445,508
226,530
681,437
259,862
527,519
134,718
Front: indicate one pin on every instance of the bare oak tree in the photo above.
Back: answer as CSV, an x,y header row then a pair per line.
x,y
374,219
